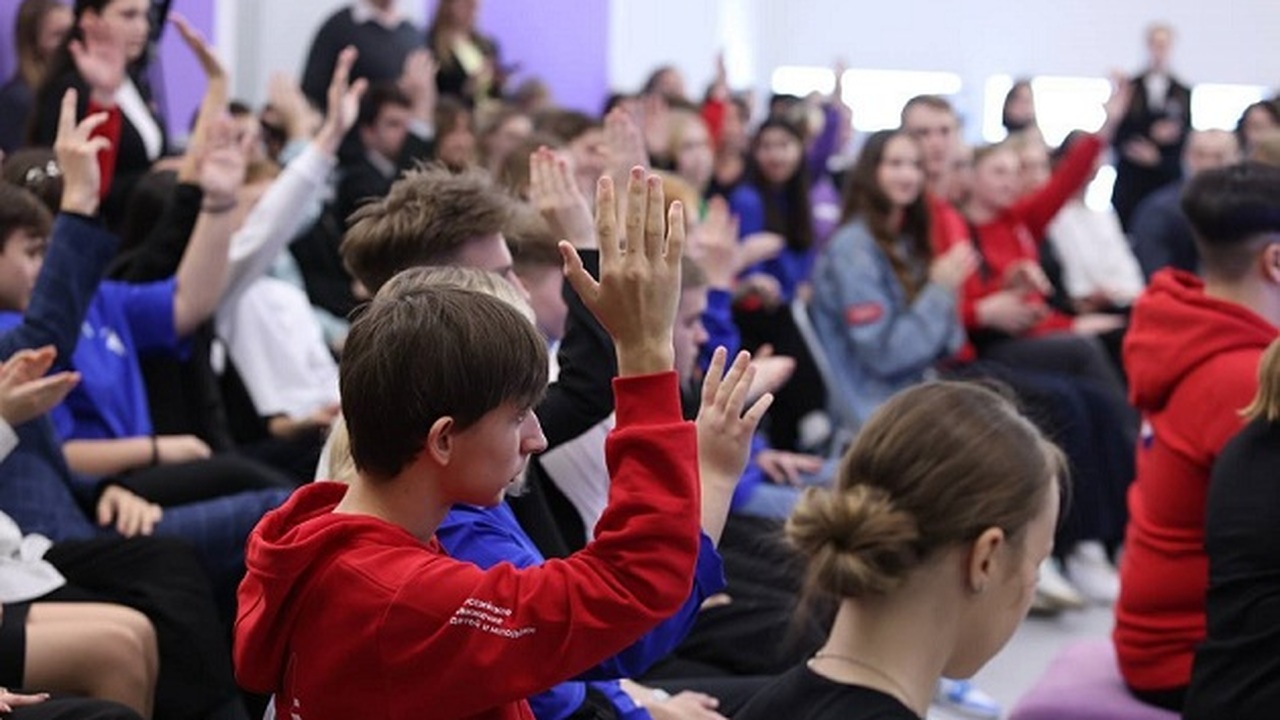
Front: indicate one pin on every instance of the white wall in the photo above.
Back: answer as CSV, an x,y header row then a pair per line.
x,y
1230,41
274,35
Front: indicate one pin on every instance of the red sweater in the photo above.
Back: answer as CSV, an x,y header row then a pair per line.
x,y
1016,233
348,616
1192,362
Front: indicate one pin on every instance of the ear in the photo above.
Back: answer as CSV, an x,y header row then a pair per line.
x,y
1271,261
439,444
983,562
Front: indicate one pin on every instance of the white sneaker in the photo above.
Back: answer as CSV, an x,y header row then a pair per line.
x,y
1054,587
1092,572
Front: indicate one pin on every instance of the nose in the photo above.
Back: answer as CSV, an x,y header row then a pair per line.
x,y
532,440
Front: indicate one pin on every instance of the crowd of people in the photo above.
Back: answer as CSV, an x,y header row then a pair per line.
x,y
411,393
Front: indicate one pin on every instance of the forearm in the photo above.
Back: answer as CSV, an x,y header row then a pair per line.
x,y
276,219
211,108
104,458
202,274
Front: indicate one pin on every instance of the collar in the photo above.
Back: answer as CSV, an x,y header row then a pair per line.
x,y
363,11
381,164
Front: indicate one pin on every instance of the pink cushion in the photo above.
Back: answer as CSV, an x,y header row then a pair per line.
x,y
1083,683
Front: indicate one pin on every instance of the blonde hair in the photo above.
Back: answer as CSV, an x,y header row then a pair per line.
x,y
935,466
1266,404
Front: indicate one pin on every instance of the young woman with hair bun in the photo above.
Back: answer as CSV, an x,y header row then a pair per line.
x,y
929,542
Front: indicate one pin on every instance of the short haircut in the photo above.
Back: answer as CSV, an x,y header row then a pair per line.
x,y
451,114
420,352
379,96
933,102
425,219
514,175
20,210
1230,209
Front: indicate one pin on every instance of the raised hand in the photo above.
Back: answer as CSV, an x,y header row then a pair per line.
x,y
639,287
223,166
553,191
285,96
77,152
1117,105
624,145
724,434
418,82
25,392
343,102
100,58
209,62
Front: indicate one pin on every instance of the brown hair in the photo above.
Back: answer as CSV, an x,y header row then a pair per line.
x,y
26,38
422,351
933,102
1266,404
531,241
567,125
936,465
1266,148
427,216
20,210
514,175
864,198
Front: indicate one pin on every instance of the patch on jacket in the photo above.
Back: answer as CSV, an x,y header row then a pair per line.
x,y
863,313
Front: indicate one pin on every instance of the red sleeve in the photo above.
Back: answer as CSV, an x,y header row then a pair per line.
x,y
713,116
520,631
1036,210
111,131
1055,322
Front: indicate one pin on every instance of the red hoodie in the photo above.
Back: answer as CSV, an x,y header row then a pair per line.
x,y
1192,362
348,616
1016,233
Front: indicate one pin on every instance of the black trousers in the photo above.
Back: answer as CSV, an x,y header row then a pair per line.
x,y
74,709
162,579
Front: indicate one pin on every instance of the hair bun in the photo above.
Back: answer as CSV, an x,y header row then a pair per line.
x,y
857,542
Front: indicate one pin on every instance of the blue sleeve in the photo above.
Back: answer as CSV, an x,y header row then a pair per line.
x,y
752,476
889,340
148,308
721,330
746,205
824,146
74,264
708,580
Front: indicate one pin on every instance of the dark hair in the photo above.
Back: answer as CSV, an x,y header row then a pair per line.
x,y
1009,124
378,96
26,39
36,170
148,201
421,353
938,464
426,217
863,197
20,210
1270,107
933,102
1228,209
786,208
514,174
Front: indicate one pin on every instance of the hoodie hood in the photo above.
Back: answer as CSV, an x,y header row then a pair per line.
x,y
1176,328
289,547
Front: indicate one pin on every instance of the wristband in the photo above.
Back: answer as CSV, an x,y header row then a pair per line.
x,y
155,451
218,209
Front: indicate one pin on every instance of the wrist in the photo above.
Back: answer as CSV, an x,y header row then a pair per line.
x,y
87,206
218,206
645,359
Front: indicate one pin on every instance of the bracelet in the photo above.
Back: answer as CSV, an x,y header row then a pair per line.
x,y
219,209
155,451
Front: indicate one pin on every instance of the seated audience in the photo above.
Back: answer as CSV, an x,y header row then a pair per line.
x,y
38,30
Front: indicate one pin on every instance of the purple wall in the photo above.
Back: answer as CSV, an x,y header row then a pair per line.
x,y
181,95
564,42
183,84
8,12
